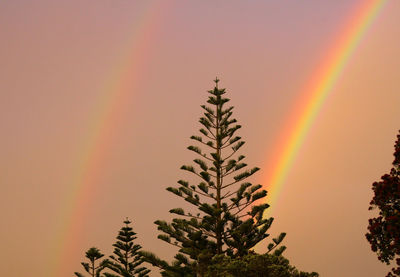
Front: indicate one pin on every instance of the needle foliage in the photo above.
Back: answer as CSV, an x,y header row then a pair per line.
x,y
224,211
126,261
95,265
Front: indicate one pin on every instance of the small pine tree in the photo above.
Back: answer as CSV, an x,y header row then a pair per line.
x,y
127,260
226,219
93,255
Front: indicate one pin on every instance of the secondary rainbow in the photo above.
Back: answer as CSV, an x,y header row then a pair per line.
x,y
118,89
314,95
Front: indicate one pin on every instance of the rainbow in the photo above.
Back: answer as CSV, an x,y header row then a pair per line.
x,y
315,94
112,102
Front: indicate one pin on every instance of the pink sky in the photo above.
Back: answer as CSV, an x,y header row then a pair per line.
x,y
61,59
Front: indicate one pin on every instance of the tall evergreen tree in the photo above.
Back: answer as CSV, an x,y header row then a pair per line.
x,y
127,260
384,230
225,218
93,255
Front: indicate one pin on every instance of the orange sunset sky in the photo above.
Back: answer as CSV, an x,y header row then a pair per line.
x,y
98,100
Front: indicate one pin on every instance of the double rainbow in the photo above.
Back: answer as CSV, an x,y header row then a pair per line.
x,y
119,88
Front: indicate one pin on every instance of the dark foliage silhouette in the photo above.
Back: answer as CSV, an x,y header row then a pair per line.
x,y
226,216
384,230
126,261
95,266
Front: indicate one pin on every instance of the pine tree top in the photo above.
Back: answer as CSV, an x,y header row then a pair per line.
x,y
93,254
127,221
216,82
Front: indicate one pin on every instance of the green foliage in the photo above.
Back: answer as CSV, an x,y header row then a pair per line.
x,y
225,218
253,265
226,221
384,230
93,255
126,260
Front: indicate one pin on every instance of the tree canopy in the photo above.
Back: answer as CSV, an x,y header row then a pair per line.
x,y
384,230
254,265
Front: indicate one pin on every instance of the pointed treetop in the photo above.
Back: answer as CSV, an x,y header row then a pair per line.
x,y
216,81
127,221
